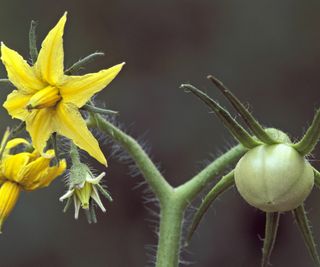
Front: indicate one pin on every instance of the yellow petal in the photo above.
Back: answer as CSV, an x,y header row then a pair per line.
x,y
9,194
70,124
50,59
39,124
16,104
53,173
13,165
20,73
79,89
39,174
15,142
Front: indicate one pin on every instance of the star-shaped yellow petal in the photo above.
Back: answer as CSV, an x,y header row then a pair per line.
x,y
47,99
50,60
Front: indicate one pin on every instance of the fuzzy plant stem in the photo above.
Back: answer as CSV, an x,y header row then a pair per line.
x,y
173,201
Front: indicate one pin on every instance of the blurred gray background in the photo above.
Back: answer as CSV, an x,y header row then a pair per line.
x,y
268,52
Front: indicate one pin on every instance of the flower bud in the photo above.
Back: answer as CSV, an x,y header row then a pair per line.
x,y
274,178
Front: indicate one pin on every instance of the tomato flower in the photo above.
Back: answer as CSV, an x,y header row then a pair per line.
x,y
24,171
47,99
85,192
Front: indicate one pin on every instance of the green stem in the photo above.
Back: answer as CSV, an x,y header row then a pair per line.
x,y
171,218
158,184
190,189
173,201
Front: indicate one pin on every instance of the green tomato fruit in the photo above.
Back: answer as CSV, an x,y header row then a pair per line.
x,y
274,178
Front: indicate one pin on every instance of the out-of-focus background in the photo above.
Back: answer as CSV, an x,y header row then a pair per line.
x,y
268,52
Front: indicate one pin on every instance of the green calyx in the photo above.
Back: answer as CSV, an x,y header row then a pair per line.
x,y
273,176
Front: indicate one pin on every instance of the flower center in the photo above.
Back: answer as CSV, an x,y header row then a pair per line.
x,y
84,194
45,98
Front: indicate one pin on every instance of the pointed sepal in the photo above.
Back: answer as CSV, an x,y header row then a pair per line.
x,y
316,177
250,121
92,108
271,229
305,229
82,62
311,137
33,50
223,185
238,132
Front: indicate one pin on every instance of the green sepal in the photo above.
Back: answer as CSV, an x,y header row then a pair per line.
x,y
311,137
271,229
68,203
250,121
316,177
82,62
33,50
224,184
92,108
6,82
238,132
88,215
53,140
104,192
11,135
305,229
93,212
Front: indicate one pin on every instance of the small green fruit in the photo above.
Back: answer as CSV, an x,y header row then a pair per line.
x,y
274,178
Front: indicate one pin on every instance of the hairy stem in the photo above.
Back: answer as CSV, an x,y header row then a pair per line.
x,y
156,181
171,218
173,201
190,189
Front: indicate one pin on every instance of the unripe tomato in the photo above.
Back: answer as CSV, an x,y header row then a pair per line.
x,y
274,177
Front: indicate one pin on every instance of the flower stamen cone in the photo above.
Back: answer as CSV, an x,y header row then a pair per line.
x,y
84,194
48,100
45,98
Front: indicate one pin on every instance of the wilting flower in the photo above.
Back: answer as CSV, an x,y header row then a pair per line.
x,y
47,99
24,171
86,191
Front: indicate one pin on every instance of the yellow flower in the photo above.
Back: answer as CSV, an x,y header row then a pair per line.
x,y
24,171
47,99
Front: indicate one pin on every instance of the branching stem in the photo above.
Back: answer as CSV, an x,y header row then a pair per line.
x,y
173,201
